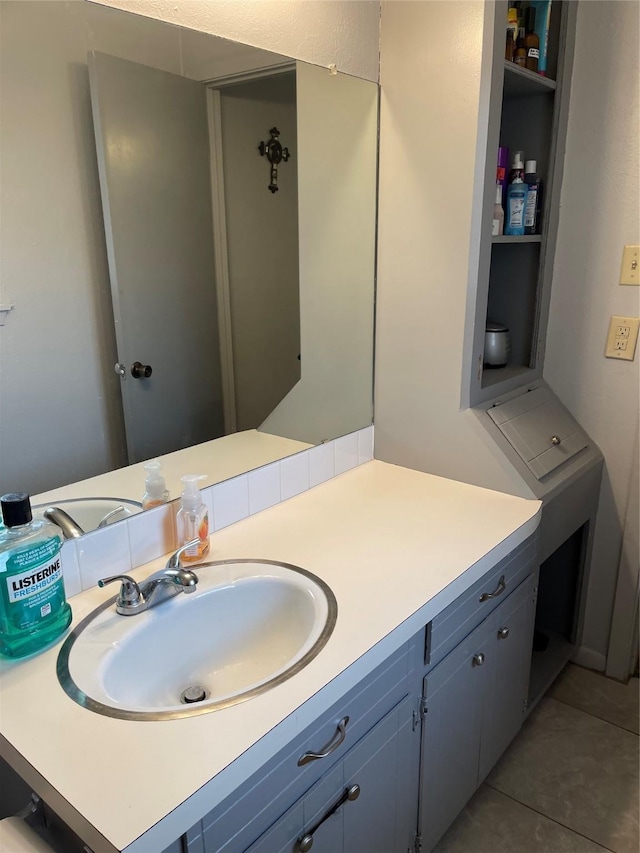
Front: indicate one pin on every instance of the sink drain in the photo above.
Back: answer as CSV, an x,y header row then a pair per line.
x,y
193,694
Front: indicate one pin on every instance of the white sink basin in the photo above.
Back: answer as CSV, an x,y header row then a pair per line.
x,y
249,625
88,513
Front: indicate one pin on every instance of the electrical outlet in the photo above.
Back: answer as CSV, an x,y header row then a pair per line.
x,y
622,338
630,271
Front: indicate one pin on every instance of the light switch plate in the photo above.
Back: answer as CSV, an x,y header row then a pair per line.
x,y
630,270
622,338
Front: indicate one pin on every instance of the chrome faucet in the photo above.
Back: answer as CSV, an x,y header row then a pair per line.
x,y
70,528
158,587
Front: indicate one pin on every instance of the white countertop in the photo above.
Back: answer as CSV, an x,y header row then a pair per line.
x,y
396,547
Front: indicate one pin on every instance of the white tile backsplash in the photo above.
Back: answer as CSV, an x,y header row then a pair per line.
x,y
102,553
346,450
365,445
294,475
151,533
264,487
144,537
70,568
230,501
322,465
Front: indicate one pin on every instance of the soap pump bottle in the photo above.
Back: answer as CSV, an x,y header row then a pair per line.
x,y
192,520
155,488
33,607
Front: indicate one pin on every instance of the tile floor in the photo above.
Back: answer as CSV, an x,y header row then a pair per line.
x,y
569,781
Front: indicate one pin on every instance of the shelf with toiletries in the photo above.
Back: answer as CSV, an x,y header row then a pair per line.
x,y
519,82
527,127
512,238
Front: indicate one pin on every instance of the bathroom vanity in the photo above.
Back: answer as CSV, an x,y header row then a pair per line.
x,y
435,583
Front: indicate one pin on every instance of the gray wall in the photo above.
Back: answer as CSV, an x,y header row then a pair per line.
x,y
343,32
599,214
58,392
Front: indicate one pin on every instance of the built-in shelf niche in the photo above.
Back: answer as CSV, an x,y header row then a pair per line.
x,y
519,276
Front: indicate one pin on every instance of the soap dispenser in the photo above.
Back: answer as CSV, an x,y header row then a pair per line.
x,y
192,519
155,488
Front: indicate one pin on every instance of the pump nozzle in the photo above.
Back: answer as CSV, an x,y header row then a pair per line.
x,y
191,497
155,488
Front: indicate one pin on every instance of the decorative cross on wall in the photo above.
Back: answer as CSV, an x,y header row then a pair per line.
x,y
275,153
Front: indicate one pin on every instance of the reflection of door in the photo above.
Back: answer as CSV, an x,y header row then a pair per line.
x,y
153,157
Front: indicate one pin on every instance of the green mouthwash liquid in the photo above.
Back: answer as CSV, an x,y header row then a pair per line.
x,y
33,608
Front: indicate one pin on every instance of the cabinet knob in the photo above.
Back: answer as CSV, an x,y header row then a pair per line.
x,y
348,795
478,659
555,439
503,633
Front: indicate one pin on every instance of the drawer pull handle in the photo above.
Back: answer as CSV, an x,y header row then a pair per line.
x,y
555,439
503,633
350,794
497,591
478,659
334,743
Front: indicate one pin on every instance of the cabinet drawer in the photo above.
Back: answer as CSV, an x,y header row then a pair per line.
x,y
234,824
380,818
466,612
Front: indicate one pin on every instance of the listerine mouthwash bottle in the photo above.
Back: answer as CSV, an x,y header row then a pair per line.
x,y
33,607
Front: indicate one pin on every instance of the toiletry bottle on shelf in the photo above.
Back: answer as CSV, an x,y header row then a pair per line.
x,y
512,33
531,40
532,181
520,52
33,608
517,167
497,226
543,19
192,519
501,171
516,199
155,488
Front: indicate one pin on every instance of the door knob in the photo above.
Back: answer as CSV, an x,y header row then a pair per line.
x,y
141,371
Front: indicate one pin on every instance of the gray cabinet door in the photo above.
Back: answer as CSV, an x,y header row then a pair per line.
x,y
454,695
383,817
385,764
511,650
474,708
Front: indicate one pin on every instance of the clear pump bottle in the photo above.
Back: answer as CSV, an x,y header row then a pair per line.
x,y
155,488
192,519
33,607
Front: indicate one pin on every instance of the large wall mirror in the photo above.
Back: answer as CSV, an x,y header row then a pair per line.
x,y
171,291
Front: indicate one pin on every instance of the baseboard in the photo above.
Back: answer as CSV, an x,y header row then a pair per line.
x,y
588,658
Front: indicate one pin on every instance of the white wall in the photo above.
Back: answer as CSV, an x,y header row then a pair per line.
x,y
343,32
599,215
432,106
